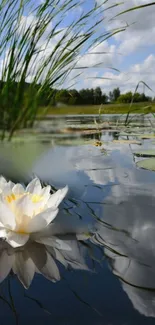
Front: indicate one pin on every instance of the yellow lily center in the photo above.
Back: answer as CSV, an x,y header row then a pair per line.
x,y
22,220
35,198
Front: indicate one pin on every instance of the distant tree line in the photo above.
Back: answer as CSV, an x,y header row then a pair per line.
x,y
82,97
95,97
87,96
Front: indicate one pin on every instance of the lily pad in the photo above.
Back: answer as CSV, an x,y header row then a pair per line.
x,y
74,142
121,141
147,136
147,164
145,153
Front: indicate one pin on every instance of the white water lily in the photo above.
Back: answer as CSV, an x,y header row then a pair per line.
x,y
24,212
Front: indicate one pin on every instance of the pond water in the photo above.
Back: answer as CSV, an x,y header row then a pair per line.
x,y
107,219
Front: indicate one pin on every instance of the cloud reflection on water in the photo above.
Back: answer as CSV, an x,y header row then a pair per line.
x,y
129,241
126,229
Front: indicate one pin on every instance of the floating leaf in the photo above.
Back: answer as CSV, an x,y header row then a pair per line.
x,y
121,141
147,164
147,136
74,142
145,153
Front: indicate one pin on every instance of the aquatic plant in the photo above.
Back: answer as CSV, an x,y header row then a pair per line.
x,y
39,47
25,212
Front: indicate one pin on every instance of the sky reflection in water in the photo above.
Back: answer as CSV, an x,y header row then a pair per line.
x,y
112,282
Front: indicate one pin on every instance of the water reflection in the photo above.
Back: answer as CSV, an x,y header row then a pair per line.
x,y
87,165
128,236
107,219
122,229
34,257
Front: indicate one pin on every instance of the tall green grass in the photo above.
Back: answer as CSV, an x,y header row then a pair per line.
x,y
37,45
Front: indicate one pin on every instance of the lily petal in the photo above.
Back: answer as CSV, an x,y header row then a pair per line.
x,y
46,193
24,268
18,189
24,206
3,233
50,269
54,242
11,184
57,255
74,257
16,239
2,180
34,187
41,220
6,262
57,197
7,189
7,218
38,255
44,262
3,183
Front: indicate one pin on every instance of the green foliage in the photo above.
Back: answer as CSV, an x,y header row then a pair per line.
x,y
82,97
74,97
136,97
97,96
138,108
43,48
62,96
125,98
114,95
89,97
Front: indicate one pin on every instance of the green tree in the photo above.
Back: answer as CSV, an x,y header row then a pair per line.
x,y
110,96
137,98
97,95
104,99
62,96
74,97
86,96
125,98
116,93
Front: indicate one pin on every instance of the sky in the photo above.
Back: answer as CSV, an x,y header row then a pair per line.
x,y
123,60
132,51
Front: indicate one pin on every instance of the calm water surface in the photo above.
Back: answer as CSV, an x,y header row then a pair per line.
x,y
110,277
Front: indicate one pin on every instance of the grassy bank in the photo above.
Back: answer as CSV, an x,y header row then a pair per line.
x,y
105,109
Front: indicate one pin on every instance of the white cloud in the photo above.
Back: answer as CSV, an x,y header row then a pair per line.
x,y
138,36
141,29
102,53
132,235
128,79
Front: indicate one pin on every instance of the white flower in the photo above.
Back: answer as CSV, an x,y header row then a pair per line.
x,y
26,212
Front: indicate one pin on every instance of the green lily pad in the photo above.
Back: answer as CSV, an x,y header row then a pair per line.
x,y
147,136
145,153
74,142
147,164
122,141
